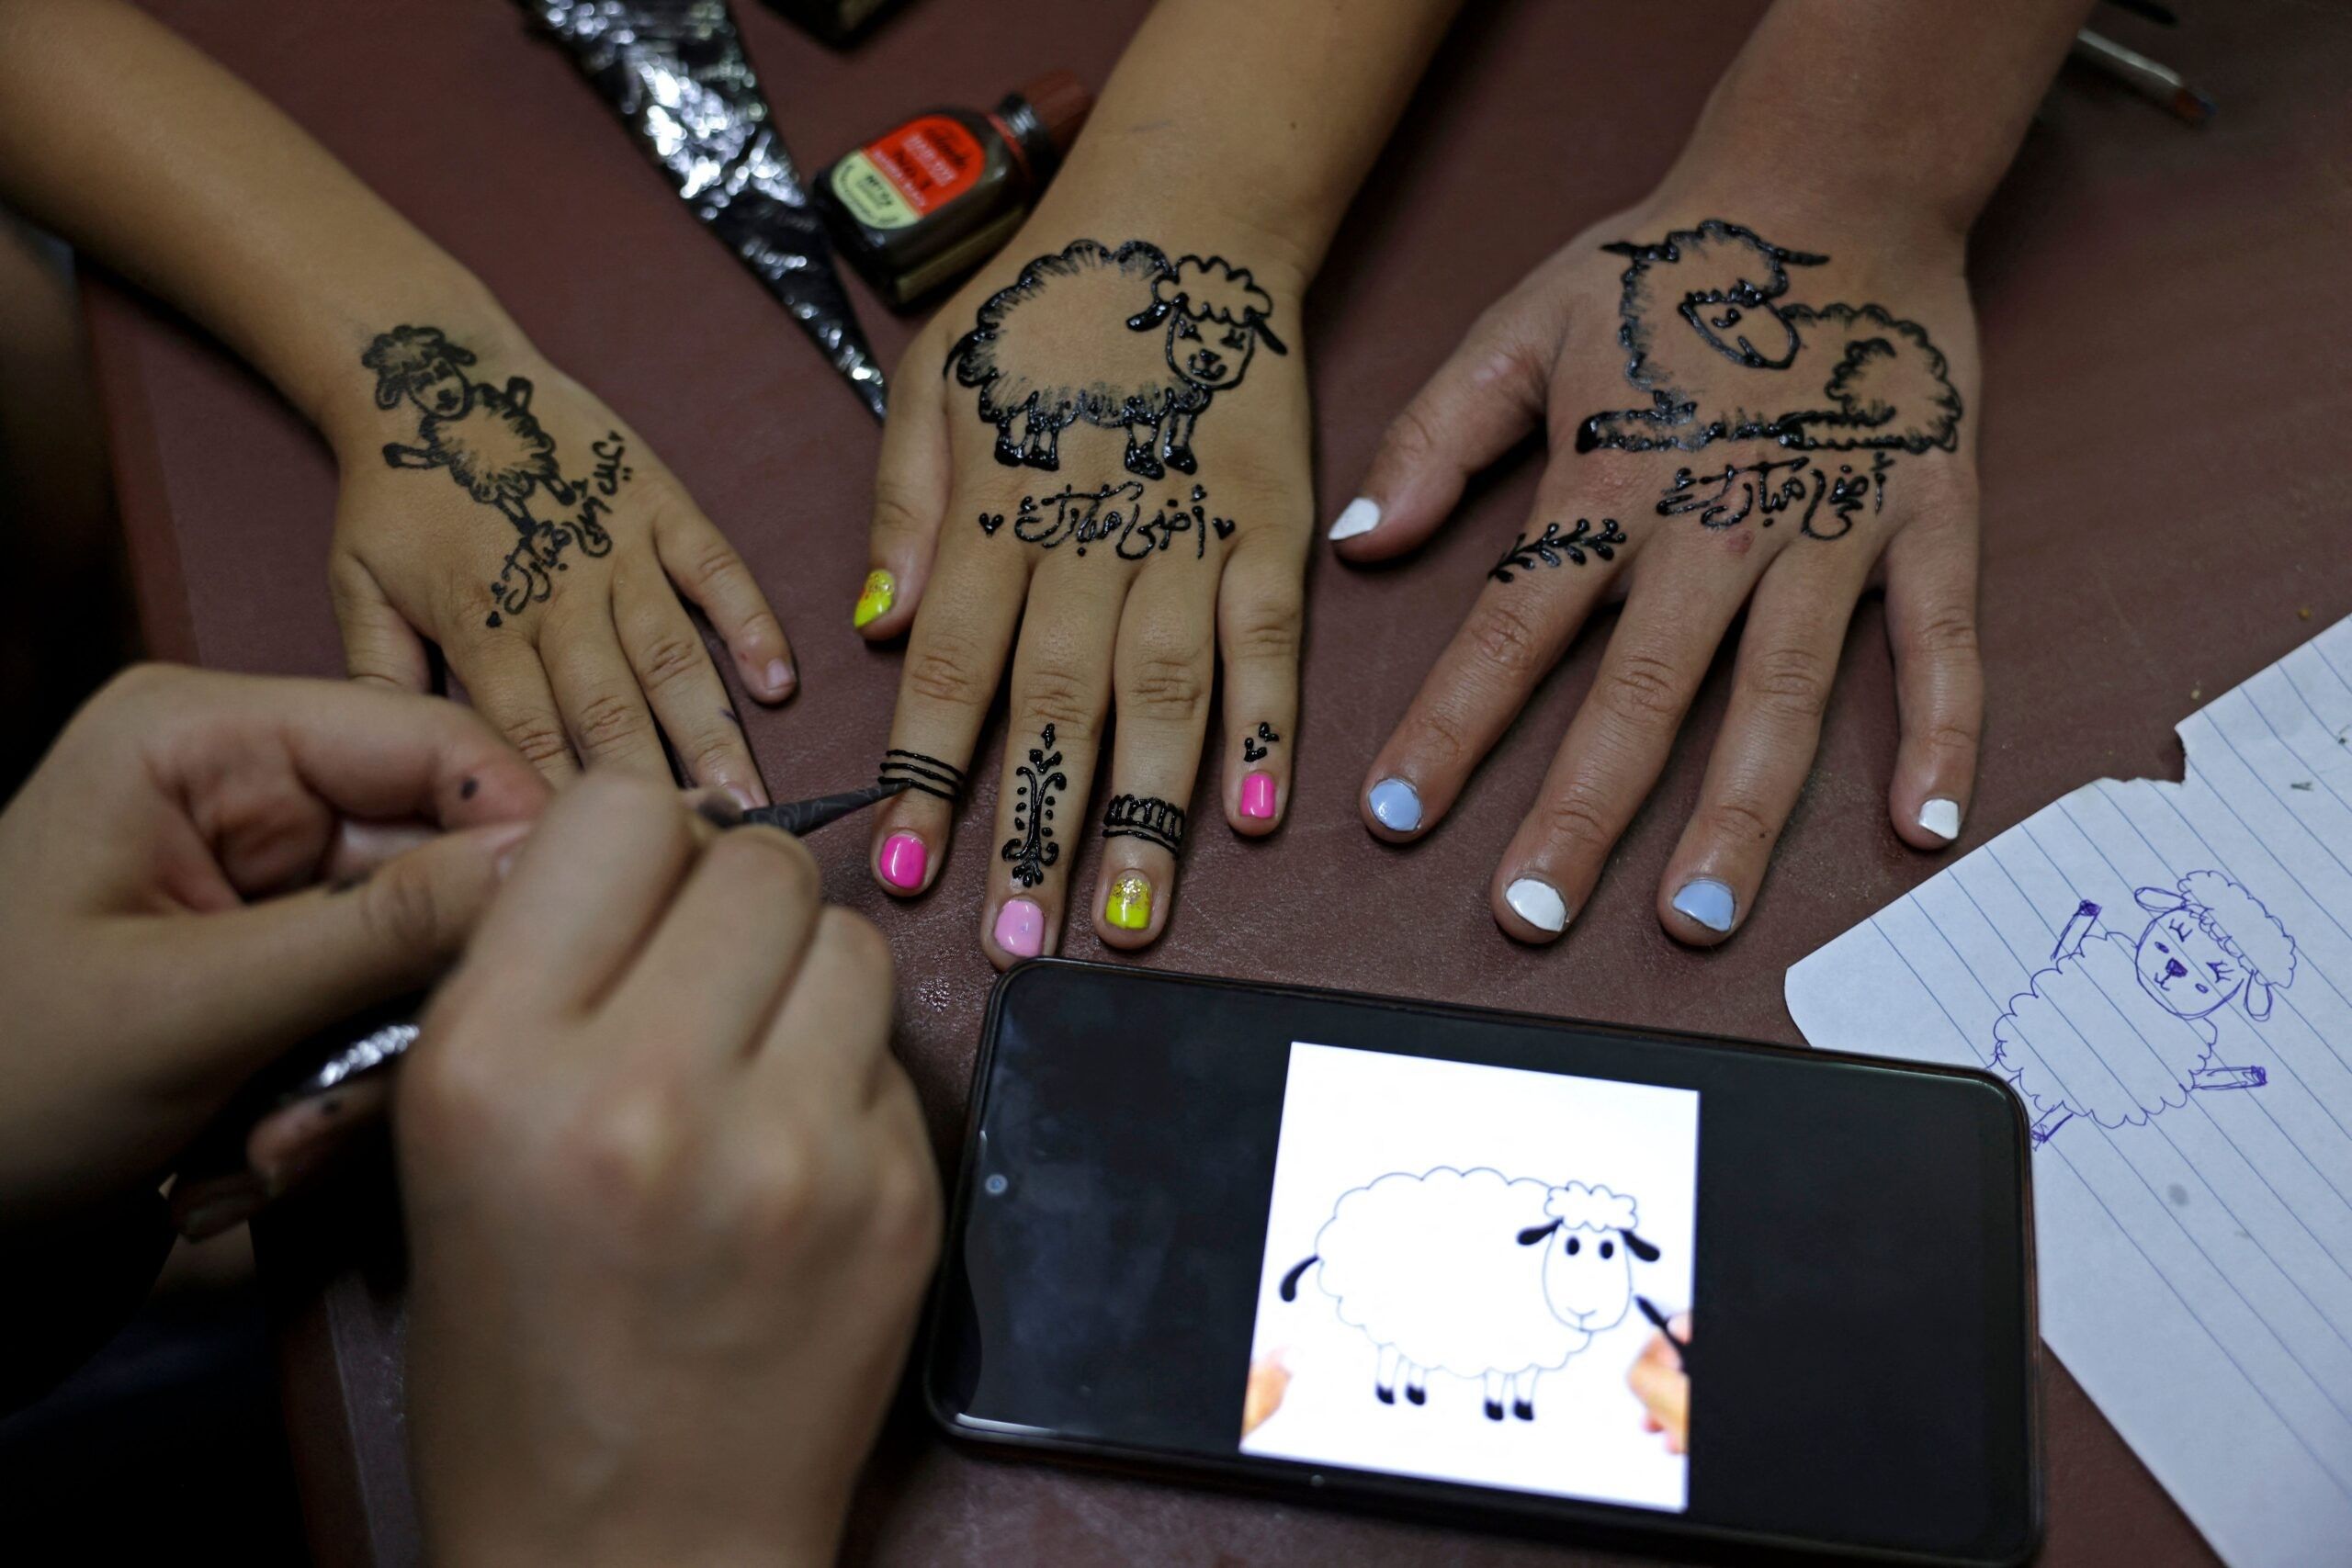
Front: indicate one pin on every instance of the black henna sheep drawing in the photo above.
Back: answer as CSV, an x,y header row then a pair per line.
x,y
1121,339
1707,298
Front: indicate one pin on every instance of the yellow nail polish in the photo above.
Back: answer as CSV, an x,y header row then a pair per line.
x,y
1128,906
874,602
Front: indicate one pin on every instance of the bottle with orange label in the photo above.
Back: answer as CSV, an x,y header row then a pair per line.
x,y
930,199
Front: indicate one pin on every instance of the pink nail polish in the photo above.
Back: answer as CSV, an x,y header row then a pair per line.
x,y
1257,796
903,859
1020,927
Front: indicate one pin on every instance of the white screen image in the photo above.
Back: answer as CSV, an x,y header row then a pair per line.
x,y
1425,1338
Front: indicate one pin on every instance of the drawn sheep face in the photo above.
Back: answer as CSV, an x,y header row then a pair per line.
x,y
2184,968
442,392
1208,352
1587,1272
1741,323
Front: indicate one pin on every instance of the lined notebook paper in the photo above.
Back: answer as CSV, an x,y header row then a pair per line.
x,y
2163,972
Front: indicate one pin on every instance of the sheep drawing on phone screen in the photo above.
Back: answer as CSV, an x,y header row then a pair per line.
x,y
2121,1028
1477,1275
1123,340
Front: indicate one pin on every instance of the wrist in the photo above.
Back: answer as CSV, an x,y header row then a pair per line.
x,y
1815,210
1281,253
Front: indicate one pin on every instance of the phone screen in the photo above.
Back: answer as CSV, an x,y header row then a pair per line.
x,y
1437,1256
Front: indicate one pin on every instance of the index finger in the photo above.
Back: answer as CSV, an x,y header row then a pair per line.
x,y
366,750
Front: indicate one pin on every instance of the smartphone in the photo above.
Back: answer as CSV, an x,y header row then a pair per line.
x,y
1567,1277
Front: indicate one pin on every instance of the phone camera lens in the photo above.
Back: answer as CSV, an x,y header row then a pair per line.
x,y
994,1186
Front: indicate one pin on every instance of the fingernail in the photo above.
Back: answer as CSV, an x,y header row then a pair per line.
x,y
1396,805
1257,796
217,1214
781,679
874,601
505,841
1362,516
746,795
1020,927
903,859
1941,818
1537,903
1707,901
1128,904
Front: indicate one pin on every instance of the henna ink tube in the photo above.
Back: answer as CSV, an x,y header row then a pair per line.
x,y
930,199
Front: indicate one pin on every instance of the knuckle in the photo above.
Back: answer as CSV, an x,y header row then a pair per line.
x,y
1952,738
1577,821
853,943
1740,820
1411,440
1641,689
947,669
894,511
1265,626
1946,632
1058,696
539,738
402,911
1442,735
1163,686
905,1215
1790,683
784,1187
623,1148
668,658
608,718
779,866
450,1096
1504,641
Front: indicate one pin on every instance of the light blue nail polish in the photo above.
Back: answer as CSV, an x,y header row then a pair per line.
x,y
1707,901
1397,805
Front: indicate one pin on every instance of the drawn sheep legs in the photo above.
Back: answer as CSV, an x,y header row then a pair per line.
x,y
1040,443
1522,1395
1176,440
2229,1077
1496,1384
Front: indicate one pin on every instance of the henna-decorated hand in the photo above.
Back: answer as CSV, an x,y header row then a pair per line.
x,y
541,559
1734,427
1060,459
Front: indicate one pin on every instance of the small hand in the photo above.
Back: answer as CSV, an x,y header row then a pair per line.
x,y
205,869
496,508
1659,1381
670,1202
1735,426
1110,455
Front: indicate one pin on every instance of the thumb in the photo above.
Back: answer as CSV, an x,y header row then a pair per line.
x,y
909,498
378,645
1480,404
275,972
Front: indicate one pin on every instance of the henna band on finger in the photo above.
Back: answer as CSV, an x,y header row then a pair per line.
x,y
1147,818
941,781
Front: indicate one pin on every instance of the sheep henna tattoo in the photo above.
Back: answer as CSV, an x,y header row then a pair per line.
x,y
1065,343
1880,382
493,447
1256,748
1488,1315
1033,847
1115,512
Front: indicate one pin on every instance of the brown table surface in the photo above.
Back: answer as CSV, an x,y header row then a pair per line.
x,y
2165,401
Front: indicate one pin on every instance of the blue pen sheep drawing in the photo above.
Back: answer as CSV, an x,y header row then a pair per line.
x,y
1125,340
1476,1274
2119,1028
1723,356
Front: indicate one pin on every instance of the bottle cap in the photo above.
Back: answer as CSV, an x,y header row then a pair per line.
x,y
1062,104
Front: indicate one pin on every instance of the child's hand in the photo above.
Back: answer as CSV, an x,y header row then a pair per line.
x,y
496,508
1659,1381
1110,456
1736,428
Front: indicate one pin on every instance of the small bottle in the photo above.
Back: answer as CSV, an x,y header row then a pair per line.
x,y
932,199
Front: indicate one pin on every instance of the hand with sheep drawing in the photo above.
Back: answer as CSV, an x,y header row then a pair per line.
x,y
546,557
1100,450
1758,389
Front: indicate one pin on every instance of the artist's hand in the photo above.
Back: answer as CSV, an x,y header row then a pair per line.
x,y
1812,515
1125,556
206,869
495,507
1659,1381
670,1202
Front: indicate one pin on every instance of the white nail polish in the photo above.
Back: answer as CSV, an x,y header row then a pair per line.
x,y
1941,818
1362,516
1537,903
